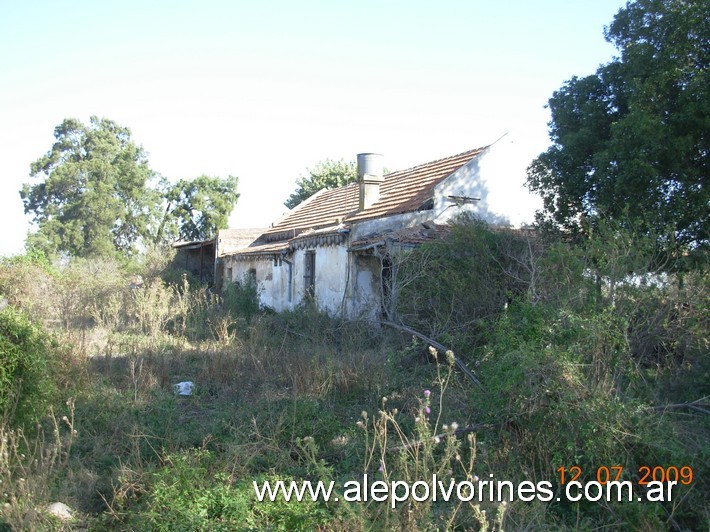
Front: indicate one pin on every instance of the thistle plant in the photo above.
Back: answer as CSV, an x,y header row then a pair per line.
x,y
29,465
432,449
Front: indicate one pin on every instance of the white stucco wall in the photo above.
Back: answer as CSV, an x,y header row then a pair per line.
x,y
497,176
364,291
331,279
389,223
269,279
330,276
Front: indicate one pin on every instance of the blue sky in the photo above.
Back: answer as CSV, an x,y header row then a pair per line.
x,y
264,90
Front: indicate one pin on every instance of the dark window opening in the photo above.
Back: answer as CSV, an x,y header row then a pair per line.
x,y
427,205
386,280
309,273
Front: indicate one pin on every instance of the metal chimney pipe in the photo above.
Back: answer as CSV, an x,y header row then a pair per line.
x,y
369,177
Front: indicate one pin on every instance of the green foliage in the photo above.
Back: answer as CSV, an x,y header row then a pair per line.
x,y
198,208
188,494
559,370
26,356
94,199
576,373
470,275
325,175
193,492
630,142
593,362
241,299
32,257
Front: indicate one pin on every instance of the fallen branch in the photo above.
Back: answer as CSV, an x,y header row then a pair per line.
x,y
438,346
698,404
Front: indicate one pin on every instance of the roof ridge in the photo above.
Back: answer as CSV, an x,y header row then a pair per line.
x,y
472,152
297,208
401,191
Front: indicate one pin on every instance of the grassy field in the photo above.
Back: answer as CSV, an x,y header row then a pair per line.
x,y
91,418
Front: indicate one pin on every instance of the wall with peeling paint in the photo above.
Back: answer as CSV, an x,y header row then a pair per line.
x,y
349,284
272,277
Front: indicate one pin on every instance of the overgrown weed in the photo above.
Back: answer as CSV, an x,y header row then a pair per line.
x,y
583,363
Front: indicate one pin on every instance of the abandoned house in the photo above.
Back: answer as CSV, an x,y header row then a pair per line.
x,y
203,259
337,247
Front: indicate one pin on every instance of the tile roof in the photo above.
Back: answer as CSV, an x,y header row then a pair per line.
x,y
260,249
408,236
323,209
401,192
231,240
408,190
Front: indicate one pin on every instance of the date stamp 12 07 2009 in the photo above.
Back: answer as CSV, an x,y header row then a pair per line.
x,y
642,476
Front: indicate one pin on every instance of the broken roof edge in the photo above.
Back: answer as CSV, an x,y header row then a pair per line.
x,y
194,244
222,234
261,249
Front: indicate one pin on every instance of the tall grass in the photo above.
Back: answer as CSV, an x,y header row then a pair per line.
x,y
582,364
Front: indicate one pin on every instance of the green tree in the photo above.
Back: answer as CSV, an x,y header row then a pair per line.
x,y
630,143
325,174
198,208
94,198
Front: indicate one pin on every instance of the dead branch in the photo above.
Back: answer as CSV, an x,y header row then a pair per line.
x,y
698,405
438,346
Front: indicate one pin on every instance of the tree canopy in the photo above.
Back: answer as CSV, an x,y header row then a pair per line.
x,y
197,208
630,142
94,198
325,174
97,198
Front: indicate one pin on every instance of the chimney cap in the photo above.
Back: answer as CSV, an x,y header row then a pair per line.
x,y
369,164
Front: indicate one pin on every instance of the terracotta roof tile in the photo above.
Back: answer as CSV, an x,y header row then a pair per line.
x,y
408,190
231,240
323,209
263,249
401,192
410,235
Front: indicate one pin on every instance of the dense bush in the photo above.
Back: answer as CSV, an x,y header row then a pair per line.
x,y
580,348
582,374
28,282
470,276
241,299
193,492
26,357
590,355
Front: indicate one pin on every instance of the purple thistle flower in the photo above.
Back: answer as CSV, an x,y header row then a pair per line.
x,y
427,393
427,410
